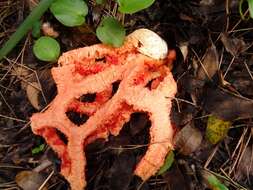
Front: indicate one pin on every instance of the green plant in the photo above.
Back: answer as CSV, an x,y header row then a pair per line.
x,y
111,32
215,183
133,6
70,12
250,3
250,6
167,164
100,2
46,49
36,29
38,149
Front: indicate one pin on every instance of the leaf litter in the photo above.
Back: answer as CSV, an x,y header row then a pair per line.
x,y
201,28
227,105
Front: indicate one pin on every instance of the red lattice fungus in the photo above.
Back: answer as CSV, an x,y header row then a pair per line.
x,y
146,84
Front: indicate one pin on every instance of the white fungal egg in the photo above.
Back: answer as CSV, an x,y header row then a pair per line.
x,y
149,43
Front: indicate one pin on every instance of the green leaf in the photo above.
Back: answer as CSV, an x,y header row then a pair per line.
x,y
38,149
46,49
167,164
216,129
241,5
70,12
100,2
36,29
111,32
133,6
215,184
250,2
221,187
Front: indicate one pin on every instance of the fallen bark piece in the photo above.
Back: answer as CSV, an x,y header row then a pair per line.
x,y
145,84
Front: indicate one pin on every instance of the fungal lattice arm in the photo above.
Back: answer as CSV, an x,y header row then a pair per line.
x,y
94,70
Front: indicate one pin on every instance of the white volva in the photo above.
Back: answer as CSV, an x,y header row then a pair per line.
x,y
149,43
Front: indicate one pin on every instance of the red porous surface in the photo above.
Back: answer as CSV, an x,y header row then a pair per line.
x,y
92,70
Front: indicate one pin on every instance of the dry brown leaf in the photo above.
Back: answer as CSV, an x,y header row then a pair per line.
x,y
32,93
209,64
176,179
30,180
20,71
188,140
184,49
233,45
207,2
227,106
242,82
47,85
222,80
245,167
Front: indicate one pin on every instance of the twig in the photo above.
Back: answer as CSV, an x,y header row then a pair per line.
x,y
247,67
211,156
44,183
202,65
247,11
7,104
238,159
231,62
12,118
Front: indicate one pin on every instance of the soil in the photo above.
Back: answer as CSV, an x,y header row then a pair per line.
x,y
214,73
